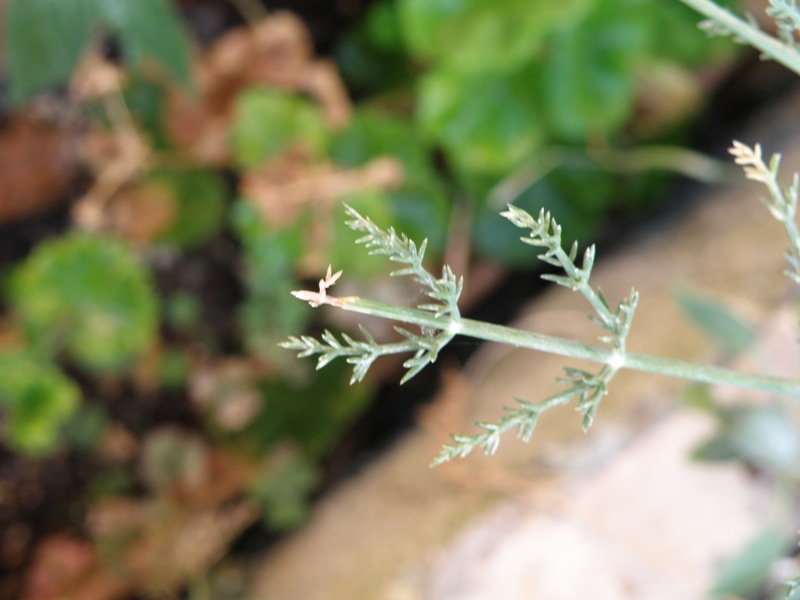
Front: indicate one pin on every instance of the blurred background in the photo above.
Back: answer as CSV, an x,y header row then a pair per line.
x,y
170,170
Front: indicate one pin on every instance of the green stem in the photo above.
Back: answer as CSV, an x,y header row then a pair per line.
x,y
591,296
794,237
770,46
564,347
785,205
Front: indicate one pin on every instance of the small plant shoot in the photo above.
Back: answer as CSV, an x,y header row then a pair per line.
x,y
440,321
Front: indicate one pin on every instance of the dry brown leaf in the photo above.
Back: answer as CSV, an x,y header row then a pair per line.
x,y
276,52
280,190
205,537
38,164
148,547
156,544
15,539
226,392
322,81
117,444
65,568
182,467
224,479
176,545
115,515
117,158
11,337
141,212
95,78
146,370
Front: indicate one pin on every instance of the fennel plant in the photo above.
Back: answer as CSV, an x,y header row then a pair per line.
x,y
439,319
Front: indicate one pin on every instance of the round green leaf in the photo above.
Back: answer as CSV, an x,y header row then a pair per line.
x,y
475,35
199,202
487,123
588,79
36,399
87,296
268,121
44,40
371,134
382,24
150,30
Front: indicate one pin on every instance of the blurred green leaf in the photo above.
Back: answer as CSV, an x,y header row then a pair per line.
x,y
576,195
383,27
420,207
745,574
313,415
171,457
199,203
698,396
715,320
84,428
269,312
422,211
763,436
370,134
145,98
44,40
588,78
487,123
343,253
174,369
182,310
88,296
474,35
283,490
269,121
150,30
110,482
792,590
371,56
36,399
367,70
693,47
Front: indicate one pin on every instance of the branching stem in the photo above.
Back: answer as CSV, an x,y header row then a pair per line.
x,y
565,347
440,321
770,46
